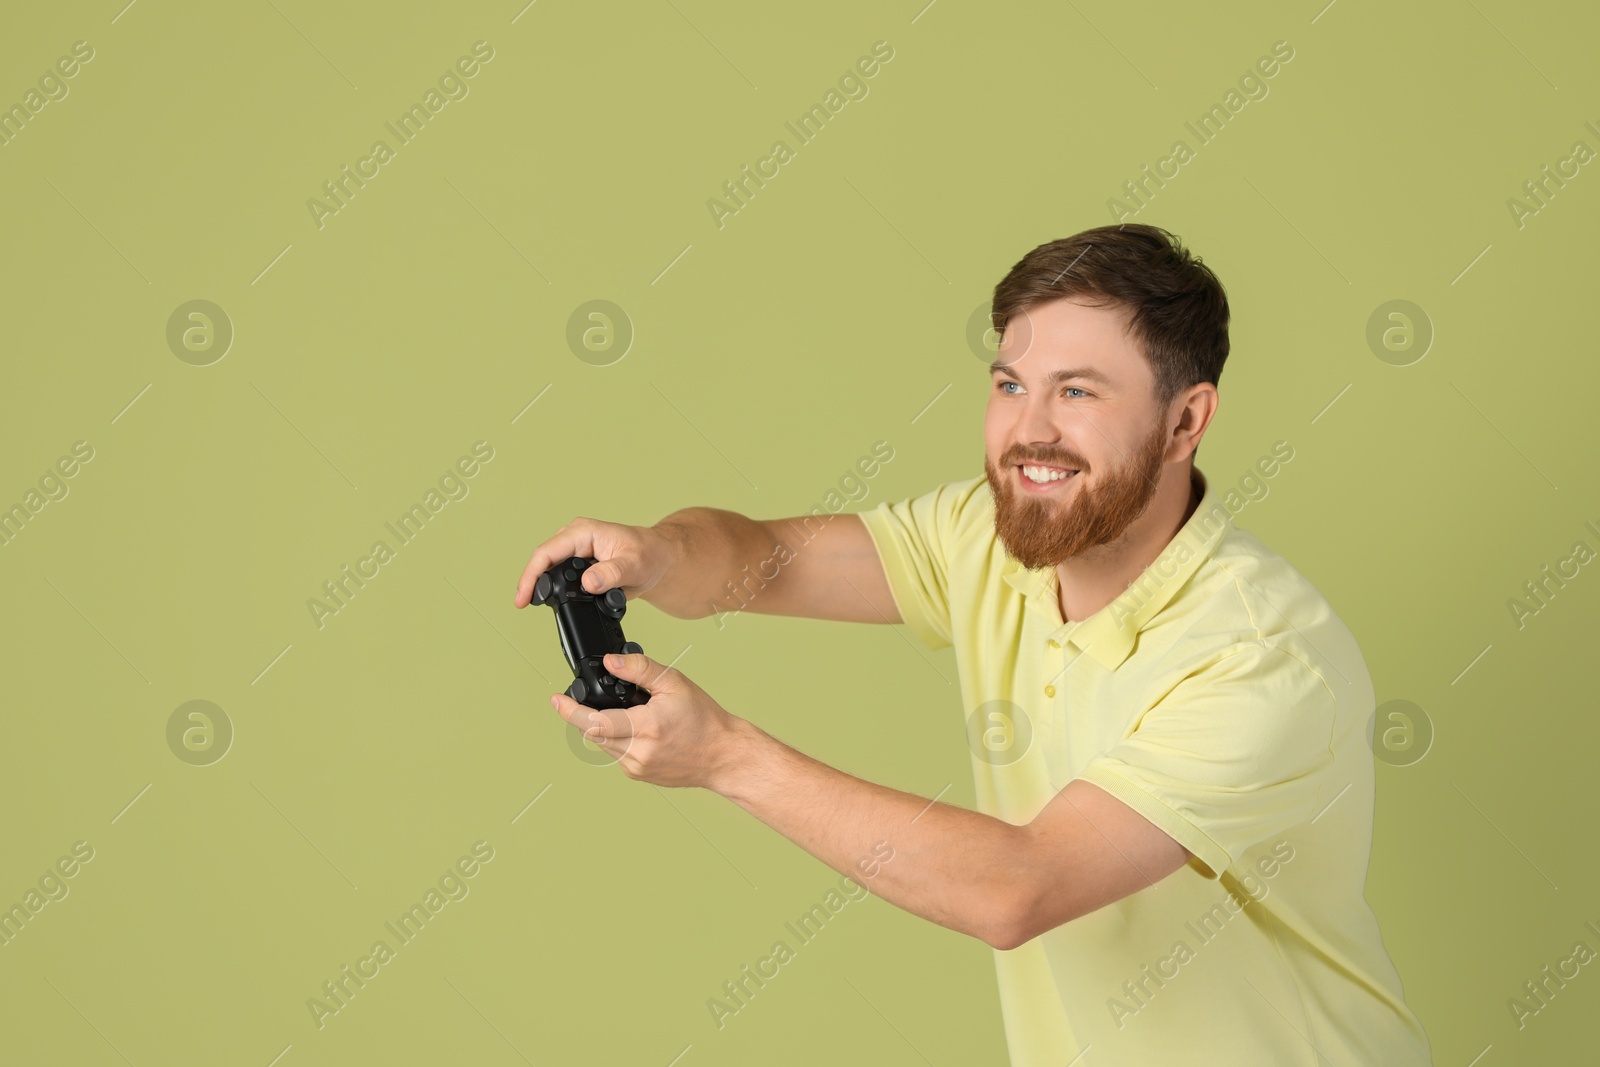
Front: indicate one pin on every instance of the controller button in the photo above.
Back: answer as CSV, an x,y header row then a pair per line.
x,y
631,647
569,574
615,602
542,589
578,691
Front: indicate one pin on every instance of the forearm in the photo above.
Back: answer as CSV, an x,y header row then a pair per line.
x,y
711,549
962,869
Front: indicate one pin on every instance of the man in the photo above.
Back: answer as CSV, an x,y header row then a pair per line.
x,y
1175,787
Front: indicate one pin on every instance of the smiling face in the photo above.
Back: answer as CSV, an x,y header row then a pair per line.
x,y
1070,392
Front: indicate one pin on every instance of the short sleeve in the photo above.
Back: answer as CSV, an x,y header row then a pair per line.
x,y
914,542
1233,755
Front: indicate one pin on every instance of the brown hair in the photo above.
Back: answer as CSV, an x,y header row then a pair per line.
x,y
1180,311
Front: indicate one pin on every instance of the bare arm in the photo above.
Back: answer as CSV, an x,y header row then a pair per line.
x,y
812,566
977,874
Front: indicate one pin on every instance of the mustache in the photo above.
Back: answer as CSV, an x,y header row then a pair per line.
x,y
1069,462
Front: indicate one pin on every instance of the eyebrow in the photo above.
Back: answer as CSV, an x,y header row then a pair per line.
x,y
1056,377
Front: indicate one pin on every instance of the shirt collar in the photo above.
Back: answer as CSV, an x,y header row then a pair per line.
x,y
1109,633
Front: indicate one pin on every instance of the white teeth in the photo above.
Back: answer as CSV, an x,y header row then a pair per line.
x,y
1044,474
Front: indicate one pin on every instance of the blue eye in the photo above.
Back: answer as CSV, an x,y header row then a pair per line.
x,y
1003,383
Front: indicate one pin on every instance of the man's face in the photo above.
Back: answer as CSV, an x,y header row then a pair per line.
x,y
1071,391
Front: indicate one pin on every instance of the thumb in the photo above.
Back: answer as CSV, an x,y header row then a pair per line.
x,y
599,577
640,669
609,573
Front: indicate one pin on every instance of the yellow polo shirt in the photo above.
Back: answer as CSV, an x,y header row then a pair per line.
x,y
1221,698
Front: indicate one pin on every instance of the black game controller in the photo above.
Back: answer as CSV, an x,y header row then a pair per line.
x,y
590,626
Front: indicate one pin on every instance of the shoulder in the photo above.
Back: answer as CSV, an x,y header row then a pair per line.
x,y
1250,599
971,505
950,509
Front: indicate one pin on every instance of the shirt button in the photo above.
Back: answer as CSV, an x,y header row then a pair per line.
x,y
1054,643
1049,690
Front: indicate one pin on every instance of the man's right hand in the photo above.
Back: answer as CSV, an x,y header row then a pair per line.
x,y
632,558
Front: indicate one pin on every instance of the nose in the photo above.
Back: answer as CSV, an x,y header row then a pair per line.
x,y
1035,426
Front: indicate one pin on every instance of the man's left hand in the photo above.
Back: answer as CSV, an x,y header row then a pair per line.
x,y
680,737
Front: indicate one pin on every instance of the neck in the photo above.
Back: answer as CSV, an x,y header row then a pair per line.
x,y
1089,582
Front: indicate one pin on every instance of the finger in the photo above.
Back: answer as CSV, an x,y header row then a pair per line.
x,y
640,669
577,540
614,747
597,726
607,573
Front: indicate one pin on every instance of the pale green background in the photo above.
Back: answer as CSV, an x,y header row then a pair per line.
x,y
822,318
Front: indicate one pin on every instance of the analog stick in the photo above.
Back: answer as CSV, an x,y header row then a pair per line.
x,y
614,603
